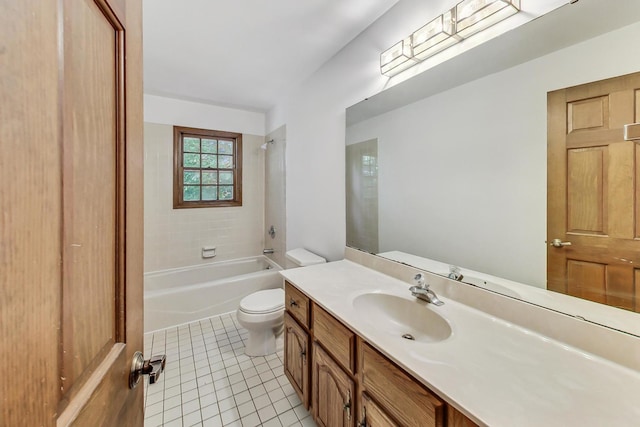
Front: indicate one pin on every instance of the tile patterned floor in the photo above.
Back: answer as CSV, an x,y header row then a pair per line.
x,y
209,381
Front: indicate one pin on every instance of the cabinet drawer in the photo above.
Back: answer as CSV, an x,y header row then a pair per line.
x,y
334,337
297,304
402,398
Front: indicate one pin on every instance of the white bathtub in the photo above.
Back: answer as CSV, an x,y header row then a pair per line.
x,y
181,295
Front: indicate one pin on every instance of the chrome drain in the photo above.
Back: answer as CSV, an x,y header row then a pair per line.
x,y
408,337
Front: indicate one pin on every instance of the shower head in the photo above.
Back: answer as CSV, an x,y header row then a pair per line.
x,y
266,144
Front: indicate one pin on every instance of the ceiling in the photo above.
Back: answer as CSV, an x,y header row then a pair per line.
x,y
245,53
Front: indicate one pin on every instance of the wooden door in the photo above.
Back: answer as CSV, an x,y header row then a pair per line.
x,y
296,345
71,227
333,392
593,195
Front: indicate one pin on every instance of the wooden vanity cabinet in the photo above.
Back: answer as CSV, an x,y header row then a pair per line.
x,y
345,382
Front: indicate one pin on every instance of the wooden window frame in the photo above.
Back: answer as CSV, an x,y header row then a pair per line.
x,y
179,133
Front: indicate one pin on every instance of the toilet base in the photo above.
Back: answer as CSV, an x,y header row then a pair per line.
x,y
263,343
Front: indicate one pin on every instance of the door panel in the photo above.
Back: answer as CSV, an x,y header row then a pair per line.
x,y
71,315
593,194
587,199
333,392
90,189
295,359
588,114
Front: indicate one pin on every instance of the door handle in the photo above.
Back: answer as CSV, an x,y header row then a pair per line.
x,y
152,367
632,132
557,243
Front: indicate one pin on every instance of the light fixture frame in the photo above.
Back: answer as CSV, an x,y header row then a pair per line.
x,y
462,21
484,14
397,58
436,36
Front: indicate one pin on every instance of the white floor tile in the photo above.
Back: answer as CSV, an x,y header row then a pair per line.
x,y
210,382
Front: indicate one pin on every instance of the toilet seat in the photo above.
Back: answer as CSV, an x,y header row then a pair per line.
x,y
263,302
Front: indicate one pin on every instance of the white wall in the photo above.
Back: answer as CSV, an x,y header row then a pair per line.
x,y
174,237
170,111
314,115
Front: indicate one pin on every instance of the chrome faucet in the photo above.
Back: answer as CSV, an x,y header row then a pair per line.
x,y
455,273
421,290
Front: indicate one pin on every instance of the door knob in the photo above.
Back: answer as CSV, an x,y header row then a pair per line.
x,y
557,243
152,367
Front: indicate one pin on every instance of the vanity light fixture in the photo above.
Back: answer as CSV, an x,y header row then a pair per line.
x,y
397,58
476,15
436,36
465,19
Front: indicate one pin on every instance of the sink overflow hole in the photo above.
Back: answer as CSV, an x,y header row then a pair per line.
x,y
408,337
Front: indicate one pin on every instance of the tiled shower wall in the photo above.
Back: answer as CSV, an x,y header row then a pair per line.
x,y
175,237
274,182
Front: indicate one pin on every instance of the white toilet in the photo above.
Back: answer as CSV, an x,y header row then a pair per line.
x,y
262,313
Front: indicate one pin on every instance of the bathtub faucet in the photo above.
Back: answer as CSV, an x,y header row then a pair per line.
x,y
267,251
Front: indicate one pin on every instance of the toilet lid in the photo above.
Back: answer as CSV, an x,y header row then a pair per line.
x,y
263,301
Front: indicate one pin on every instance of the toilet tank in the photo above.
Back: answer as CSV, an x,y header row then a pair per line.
x,y
301,257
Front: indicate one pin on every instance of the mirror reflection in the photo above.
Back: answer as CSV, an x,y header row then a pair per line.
x,y
460,177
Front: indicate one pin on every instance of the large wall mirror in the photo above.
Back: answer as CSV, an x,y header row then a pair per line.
x,y
450,166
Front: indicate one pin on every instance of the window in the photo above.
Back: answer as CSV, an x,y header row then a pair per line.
x,y
207,168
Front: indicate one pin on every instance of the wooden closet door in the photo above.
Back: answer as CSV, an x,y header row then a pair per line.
x,y
593,192
71,273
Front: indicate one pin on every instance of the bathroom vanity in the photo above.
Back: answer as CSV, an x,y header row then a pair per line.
x,y
361,351
341,377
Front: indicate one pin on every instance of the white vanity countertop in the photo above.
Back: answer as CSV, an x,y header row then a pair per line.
x,y
497,373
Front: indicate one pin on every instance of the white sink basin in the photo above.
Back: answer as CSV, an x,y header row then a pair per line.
x,y
411,319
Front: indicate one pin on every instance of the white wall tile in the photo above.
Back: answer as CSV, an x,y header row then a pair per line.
x,y
174,237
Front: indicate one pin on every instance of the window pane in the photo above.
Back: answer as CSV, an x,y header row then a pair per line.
x,y
226,177
191,145
191,177
191,193
209,146
209,161
226,193
210,193
225,162
225,147
191,160
209,177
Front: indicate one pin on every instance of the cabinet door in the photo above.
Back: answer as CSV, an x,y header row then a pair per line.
x,y
296,342
373,415
333,390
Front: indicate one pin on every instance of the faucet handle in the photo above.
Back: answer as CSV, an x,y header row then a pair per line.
x,y
455,273
419,279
